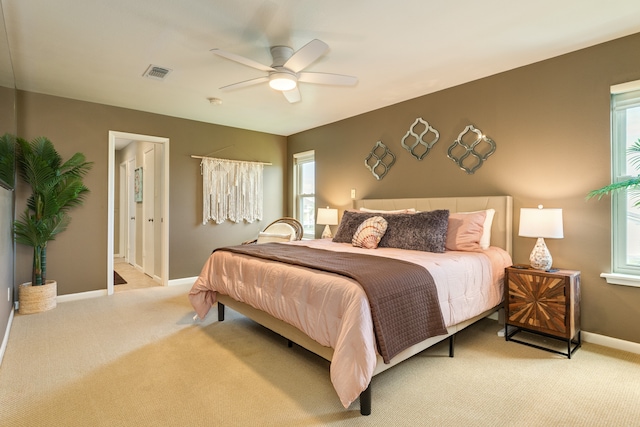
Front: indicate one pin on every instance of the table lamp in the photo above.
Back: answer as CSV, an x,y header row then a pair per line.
x,y
541,223
327,217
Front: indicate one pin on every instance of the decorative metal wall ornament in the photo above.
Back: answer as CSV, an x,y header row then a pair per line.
x,y
419,138
375,161
474,154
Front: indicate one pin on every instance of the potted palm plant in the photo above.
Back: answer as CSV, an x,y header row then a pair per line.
x,y
629,184
56,187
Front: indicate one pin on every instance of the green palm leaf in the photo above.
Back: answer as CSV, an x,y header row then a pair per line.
x,y
634,154
631,184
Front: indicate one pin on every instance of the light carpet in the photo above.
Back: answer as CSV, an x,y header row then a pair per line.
x,y
137,358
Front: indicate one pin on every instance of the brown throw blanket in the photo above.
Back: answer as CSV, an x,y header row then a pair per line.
x,y
402,295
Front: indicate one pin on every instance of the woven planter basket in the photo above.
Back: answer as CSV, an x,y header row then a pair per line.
x,y
36,299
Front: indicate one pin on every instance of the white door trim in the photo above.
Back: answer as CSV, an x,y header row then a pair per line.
x,y
113,135
131,213
149,214
122,232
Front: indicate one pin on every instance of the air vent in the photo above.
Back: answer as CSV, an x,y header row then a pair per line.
x,y
156,73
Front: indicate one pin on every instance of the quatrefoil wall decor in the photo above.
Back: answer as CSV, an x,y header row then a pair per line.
x,y
470,155
379,160
412,140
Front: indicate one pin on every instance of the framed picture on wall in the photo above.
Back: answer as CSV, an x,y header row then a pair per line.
x,y
137,184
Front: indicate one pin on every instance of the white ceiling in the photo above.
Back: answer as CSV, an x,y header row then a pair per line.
x,y
97,51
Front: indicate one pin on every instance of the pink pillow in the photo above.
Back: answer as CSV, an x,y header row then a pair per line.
x,y
465,231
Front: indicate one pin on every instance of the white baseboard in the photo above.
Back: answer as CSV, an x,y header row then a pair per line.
x,y
5,340
103,292
81,295
183,281
618,344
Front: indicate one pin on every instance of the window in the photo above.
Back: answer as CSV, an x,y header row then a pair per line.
x,y
304,191
625,214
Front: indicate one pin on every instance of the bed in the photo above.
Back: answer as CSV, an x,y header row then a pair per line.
x,y
331,313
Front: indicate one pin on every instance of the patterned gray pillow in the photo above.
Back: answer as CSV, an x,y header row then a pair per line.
x,y
349,223
421,231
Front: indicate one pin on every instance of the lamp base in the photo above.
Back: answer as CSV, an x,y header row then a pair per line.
x,y
540,257
326,233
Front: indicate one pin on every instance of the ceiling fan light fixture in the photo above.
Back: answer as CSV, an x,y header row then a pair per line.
x,y
282,81
288,68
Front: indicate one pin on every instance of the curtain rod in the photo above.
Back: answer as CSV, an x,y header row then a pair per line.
x,y
232,161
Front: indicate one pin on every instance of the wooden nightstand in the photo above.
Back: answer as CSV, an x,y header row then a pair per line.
x,y
544,303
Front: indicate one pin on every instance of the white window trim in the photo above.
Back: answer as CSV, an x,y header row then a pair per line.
x,y
299,158
622,279
622,274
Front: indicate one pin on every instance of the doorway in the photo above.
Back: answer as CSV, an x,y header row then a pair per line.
x,y
159,196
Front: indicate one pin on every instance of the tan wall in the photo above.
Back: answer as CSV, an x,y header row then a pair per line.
x,y
7,110
77,259
550,121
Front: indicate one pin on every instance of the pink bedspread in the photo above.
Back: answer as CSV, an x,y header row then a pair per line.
x,y
334,310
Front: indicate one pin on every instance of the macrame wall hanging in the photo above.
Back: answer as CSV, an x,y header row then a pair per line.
x,y
232,190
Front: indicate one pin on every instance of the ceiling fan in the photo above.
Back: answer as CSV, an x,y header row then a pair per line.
x,y
287,69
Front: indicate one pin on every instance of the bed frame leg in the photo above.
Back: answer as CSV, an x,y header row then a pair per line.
x,y
452,341
220,312
365,401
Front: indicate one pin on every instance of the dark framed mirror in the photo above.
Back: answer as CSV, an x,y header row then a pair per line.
x,y
7,110
8,131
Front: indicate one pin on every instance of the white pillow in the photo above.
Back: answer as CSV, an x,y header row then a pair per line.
x,y
397,211
485,239
272,237
281,228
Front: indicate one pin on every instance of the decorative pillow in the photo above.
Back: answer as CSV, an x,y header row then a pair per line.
x,y
280,228
349,223
410,210
272,237
465,231
422,231
485,240
369,233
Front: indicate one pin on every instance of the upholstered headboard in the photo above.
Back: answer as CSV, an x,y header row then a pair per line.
x,y
501,230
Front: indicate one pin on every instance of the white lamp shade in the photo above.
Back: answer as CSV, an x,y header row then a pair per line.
x,y
327,216
538,222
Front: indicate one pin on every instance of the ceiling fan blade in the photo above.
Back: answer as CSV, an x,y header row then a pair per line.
x,y
292,95
246,83
242,60
327,79
306,55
